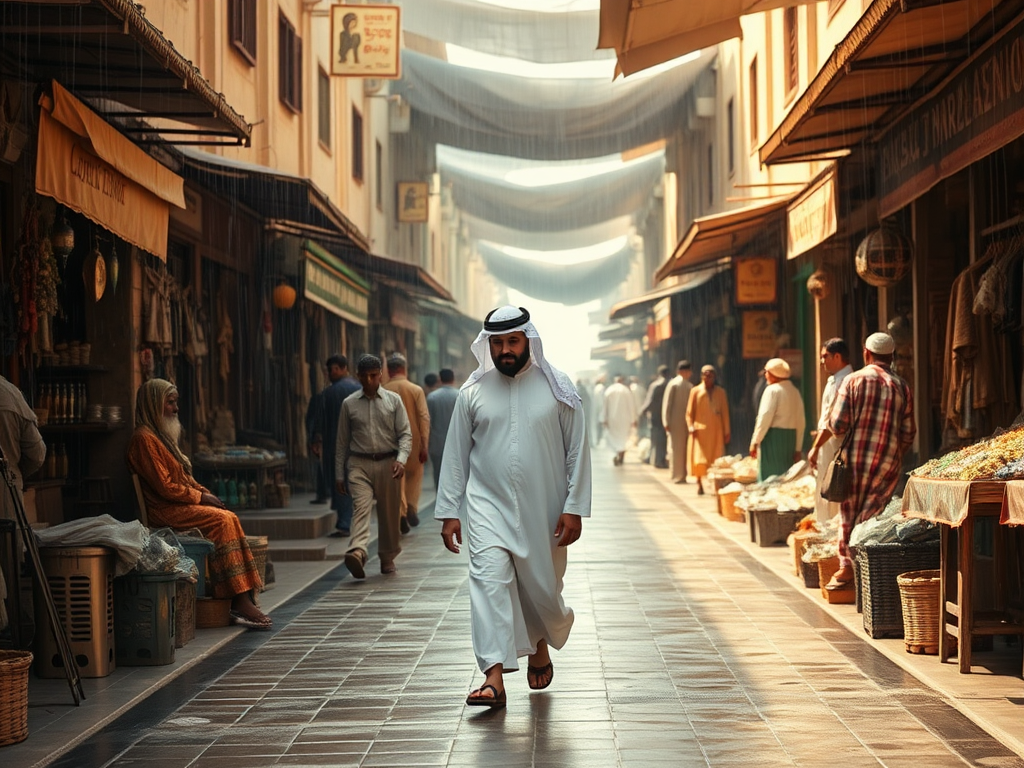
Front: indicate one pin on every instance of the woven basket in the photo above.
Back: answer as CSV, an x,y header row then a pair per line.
x,y
14,696
729,509
259,545
213,612
880,565
919,595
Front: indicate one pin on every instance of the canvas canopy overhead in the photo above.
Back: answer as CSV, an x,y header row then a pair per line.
x,y
562,240
721,235
123,67
480,188
88,166
553,281
538,118
644,34
501,31
897,53
642,304
277,196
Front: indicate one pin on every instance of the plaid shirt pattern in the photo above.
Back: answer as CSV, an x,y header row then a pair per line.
x,y
877,406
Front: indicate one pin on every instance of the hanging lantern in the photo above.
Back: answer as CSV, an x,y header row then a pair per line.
x,y
884,257
284,296
62,240
819,284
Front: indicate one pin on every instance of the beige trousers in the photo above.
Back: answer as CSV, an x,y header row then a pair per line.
x,y
677,454
412,485
370,480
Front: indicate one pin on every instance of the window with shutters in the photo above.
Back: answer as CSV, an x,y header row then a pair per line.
x,y
357,145
289,65
792,52
323,89
242,28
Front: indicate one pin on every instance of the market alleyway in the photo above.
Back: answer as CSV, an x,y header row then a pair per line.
x,y
686,652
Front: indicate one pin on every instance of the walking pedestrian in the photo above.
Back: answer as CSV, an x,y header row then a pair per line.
x,y
419,421
618,417
652,407
835,359
598,408
440,405
517,455
342,385
779,428
673,416
707,418
374,441
314,434
877,407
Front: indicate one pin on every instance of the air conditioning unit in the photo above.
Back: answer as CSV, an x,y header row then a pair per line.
x,y
399,115
372,85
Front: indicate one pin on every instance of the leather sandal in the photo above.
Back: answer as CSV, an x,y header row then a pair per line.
x,y
545,675
496,701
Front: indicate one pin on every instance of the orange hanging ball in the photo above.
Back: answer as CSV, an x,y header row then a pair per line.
x,y
284,296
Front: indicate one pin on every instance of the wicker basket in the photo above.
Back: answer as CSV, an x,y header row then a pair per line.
x,y
259,545
729,509
213,612
880,565
919,595
184,612
14,696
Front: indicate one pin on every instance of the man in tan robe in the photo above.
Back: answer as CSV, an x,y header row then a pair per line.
x,y
415,402
707,415
673,416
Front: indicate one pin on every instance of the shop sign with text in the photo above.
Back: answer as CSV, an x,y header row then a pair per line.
x,y
365,41
335,292
759,334
972,115
811,219
756,280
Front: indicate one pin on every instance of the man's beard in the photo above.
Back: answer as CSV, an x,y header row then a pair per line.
x,y
510,365
171,427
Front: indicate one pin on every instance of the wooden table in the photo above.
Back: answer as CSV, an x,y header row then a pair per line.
x,y
956,506
249,466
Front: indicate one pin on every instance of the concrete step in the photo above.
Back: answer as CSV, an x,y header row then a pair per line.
x,y
288,523
298,550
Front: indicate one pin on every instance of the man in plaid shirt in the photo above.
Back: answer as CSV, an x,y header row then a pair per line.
x,y
876,406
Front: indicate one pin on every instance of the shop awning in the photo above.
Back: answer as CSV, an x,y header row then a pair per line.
x,y
720,236
618,350
644,34
329,282
409,278
643,304
893,57
277,196
123,67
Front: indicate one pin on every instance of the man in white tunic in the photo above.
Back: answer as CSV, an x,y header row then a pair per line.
x,y
835,358
618,416
517,460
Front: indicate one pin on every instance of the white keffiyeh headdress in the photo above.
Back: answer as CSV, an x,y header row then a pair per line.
x,y
509,319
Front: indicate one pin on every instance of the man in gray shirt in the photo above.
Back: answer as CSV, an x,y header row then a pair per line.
x,y
440,405
374,441
20,440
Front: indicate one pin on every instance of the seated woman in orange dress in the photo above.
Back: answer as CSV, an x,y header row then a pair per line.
x,y
175,499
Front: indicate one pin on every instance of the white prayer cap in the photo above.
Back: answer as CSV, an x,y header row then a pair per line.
x,y
777,367
509,319
880,343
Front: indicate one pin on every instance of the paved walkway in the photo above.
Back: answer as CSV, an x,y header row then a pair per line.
x,y
686,652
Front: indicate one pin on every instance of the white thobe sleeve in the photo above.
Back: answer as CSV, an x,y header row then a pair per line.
x,y
577,461
455,462
765,415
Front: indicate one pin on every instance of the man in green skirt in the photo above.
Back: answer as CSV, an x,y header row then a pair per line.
x,y
779,429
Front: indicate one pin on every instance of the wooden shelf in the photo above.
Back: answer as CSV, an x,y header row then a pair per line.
x,y
88,426
54,371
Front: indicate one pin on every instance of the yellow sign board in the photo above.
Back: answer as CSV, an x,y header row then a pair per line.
x,y
759,334
756,281
413,197
366,41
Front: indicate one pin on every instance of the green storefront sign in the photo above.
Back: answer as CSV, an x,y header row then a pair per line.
x,y
334,286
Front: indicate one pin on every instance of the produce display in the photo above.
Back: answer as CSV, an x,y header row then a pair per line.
x,y
791,496
1000,457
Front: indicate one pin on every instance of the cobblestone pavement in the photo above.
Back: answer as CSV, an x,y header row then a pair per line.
x,y
685,652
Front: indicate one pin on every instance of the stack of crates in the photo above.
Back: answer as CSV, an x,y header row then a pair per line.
x,y
81,581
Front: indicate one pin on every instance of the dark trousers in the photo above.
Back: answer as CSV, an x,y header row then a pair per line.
x,y
659,445
321,481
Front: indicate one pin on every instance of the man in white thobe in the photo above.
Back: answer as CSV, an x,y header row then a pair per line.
x,y
835,359
779,429
618,416
517,460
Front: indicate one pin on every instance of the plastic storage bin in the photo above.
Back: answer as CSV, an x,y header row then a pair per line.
x,y
144,619
81,580
199,550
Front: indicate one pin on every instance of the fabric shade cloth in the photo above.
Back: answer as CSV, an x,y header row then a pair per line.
x,y
536,240
646,34
1013,504
542,119
516,33
948,502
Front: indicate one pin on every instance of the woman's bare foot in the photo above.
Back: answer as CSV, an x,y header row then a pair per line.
x,y
243,606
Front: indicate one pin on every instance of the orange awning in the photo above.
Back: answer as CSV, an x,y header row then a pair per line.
x,y
720,236
644,34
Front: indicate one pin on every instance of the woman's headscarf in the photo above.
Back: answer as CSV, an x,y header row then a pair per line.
x,y
149,413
